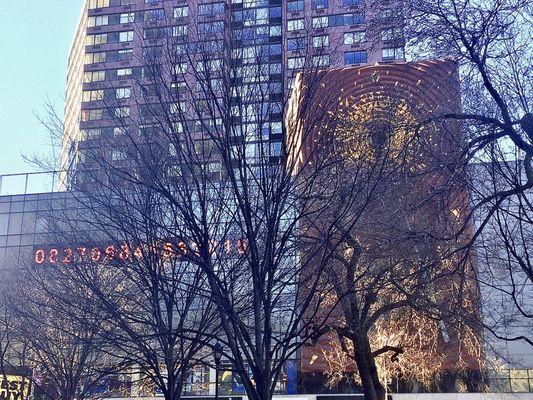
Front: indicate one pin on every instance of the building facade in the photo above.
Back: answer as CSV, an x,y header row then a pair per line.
x,y
502,249
117,42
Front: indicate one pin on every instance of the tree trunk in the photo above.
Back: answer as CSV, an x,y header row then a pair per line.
x,y
372,387
262,387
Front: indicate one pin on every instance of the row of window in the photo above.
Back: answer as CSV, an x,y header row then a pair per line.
x,y
126,18
300,43
92,4
153,52
114,37
250,71
153,33
248,91
153,15
247,3
257,35
102,56
248,35
299,5
205,147
257,16
350,57
326,21
248,113
213,66
101,75
248,54
96,95
252,131
97,114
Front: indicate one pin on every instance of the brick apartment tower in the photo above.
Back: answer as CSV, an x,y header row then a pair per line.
x,y
106,58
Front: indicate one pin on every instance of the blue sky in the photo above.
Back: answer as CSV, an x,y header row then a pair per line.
x,y
35,37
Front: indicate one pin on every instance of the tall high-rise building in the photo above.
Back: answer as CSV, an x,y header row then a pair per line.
x,y
115,39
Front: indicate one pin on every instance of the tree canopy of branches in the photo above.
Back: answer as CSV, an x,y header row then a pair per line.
x,y
491,40
392,249
195,182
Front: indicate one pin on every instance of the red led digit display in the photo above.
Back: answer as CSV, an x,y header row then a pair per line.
x,y
168,250
124,252
40,256
138,253
109,252
82,251
96,254
67,259
53,256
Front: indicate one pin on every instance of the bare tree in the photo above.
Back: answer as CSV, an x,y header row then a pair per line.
x,y
503,252
67,362
202,134
13,352
398,211
146,305
43,349
491,40
194,160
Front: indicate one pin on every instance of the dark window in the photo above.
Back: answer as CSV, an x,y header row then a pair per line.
x,y
210,9
211,27
151,53
296,44
275,12
125,55
275,49
148,90
351,3
149,130
237,16
355,57
154,33
295,6
320,4
154,15
346,19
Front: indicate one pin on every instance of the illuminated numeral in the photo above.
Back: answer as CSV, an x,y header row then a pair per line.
x,y
40,256
53,256
68,256
138,253
168,250
152,249
82,251
96,254
124,252
195,248
182,246
110,252
242,246
213,244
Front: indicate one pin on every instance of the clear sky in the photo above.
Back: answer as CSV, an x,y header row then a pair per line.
x,y
35,37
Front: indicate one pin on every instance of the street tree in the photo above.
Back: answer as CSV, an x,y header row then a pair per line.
x,y
491,41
